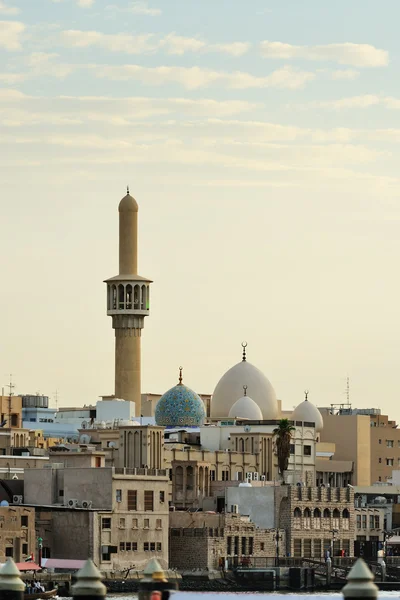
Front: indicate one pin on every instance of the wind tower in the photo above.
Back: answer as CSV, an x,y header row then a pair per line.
x,y
128,303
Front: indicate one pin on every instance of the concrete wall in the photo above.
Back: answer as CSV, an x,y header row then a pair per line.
x,y
94,485
257,503
109,410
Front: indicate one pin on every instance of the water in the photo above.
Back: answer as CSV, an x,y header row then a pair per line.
x,y
272,595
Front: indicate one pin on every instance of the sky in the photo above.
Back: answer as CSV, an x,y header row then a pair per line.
x,y
261,141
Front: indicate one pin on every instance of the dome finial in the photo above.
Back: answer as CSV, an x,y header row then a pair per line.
x,y
244,346
306,392
245,390
180,375
127,189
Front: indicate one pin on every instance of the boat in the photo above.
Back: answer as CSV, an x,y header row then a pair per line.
x,y
41,595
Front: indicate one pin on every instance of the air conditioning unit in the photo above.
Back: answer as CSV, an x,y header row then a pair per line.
x,y
72,503
249,476
235,508
255,476
87,504
17,499
263,478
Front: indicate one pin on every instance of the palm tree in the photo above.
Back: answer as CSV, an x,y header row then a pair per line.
x,y
283,435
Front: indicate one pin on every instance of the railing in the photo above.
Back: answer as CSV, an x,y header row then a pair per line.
x,y
140,471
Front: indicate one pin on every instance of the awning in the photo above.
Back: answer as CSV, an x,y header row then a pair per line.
x,y
62,563
393,540
28,566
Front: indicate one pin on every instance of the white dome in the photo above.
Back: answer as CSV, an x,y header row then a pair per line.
x,y
246,408
307,411
230,387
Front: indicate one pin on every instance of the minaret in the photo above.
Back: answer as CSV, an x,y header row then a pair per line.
x,y
128,301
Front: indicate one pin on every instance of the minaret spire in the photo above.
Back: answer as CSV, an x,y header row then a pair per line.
x,y
180,375
306,392
244,346
245,390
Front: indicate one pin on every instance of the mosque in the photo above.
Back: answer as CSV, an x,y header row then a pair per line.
x,y
244,401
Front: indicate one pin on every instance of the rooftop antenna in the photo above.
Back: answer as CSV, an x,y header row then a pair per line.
x,y
348,390
10,386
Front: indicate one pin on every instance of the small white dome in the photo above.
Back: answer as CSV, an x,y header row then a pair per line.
x,y
307,411
246,408
230,387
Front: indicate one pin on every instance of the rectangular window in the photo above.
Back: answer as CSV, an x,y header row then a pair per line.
x,y
292,448
118,495
358,521
371,521
106,523
364,521
24,521
229,545
317,548
379,460
61,493
9,551
251,545
236,549
149,500
134,546
132,499
377,522
122,546
212,475
158,524
380,441
389,462
152,546
146,524
162,496
244,546
389,443
134,523
128,546
24,549
146,546
122,523
159,547
307,450
262,546
98,461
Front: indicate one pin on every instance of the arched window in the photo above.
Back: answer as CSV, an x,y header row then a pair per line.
x,y
121,297
346,519
129,296
148,298
114,297
336,519
326,521
144,300
307,518
297,518
201,480
189,478
136,297
241,445
179,479
317,519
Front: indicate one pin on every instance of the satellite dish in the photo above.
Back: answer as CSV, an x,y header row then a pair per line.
x,y
4,503
112,445
84,439
84,425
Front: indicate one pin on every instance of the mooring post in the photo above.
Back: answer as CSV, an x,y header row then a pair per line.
x,y
11,585
360,583
154,580
328,571
88,584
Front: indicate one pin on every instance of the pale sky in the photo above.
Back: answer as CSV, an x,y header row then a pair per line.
x,y
261,141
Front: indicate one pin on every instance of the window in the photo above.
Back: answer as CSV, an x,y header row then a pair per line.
x,y
152,546
244,546
134,523
379,478
251,545
292,449
307,518
297,519
262,546
162,496
61,493
24,549
364,521
134,546
212,475
24,521
371,521
106,523
380,441
118,495
229,545
377,522
132,500
159,546
146,546
307,450
158,524
336,519
389,462
97,461
317,519
379,460
128,546
346,519
122,546
236,549
146,524
9,551
122,523
358,521
149,500
225,475
389,443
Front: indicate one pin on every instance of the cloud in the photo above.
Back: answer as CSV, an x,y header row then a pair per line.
x,y
363,101
142,8
8,10
356,55
195,77
349,74
10,34
80,3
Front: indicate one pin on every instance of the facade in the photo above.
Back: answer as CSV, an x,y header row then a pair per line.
x,y
17,539
385,447
128,303
202,541
370,524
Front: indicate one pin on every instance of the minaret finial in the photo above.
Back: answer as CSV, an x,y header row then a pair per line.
x,y
180,375
244,346
306,392
245,390
127,189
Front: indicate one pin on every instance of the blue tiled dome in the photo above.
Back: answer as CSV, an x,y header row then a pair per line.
x,y
180,406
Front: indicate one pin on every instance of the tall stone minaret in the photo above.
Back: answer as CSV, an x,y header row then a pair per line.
x,y
128,302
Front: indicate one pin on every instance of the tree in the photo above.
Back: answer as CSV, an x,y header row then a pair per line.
x,y
283,436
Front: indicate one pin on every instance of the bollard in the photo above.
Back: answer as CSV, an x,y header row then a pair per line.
x,y
88,584
328,572
11,585
154,580
360,583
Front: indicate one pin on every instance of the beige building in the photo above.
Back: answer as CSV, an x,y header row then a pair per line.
x,y
369,524
201,540
385,447
119,516
17,538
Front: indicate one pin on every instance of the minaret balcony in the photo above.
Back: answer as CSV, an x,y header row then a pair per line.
x,y
128,295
